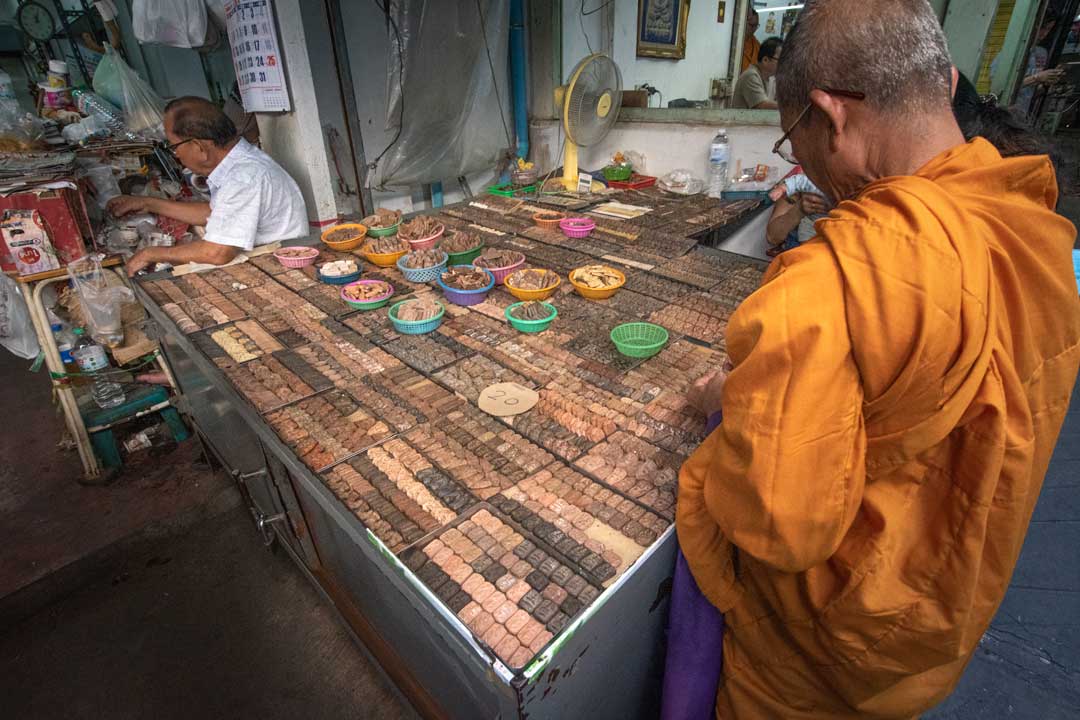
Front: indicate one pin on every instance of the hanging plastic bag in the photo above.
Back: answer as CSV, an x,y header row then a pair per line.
x,y
142,106
16,329
177,23
20,131
101,302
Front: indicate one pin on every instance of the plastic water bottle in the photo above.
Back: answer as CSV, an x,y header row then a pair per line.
x,y
65,343
719,159
92,359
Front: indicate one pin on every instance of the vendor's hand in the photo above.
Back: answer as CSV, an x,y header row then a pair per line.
x,y
122,205
1050,77
705,394
811,204
139,261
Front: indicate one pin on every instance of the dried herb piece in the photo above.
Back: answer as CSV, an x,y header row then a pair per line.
x,y
384,245
417,310
423,259
464,278
493,258
531,311
419,227
343,234
297,252
366,291
460,241
383,218
596,277
532,279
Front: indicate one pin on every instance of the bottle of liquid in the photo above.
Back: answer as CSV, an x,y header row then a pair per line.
x,y
92,359
65,343
719,159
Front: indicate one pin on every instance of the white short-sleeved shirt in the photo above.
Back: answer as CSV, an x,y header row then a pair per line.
x,y
253,201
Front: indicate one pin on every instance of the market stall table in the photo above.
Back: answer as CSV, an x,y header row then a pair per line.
x,y
504,567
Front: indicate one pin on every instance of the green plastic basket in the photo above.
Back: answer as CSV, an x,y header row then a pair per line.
x,y
618,172
532,326
383,232
464,258
510,190
639,339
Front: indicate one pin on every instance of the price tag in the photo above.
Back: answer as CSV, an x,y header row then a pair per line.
x,y
584,183
507,399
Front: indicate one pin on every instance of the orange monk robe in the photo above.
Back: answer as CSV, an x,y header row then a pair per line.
x,y
899,386
750,48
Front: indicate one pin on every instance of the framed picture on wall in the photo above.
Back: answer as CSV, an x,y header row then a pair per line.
x,y
661,28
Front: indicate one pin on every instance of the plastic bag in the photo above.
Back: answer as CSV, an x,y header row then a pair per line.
x,y
681,181
177,23
20,131
16,329
142,106
101,302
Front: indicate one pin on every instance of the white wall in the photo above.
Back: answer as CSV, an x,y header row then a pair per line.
x,y
708,47
666,146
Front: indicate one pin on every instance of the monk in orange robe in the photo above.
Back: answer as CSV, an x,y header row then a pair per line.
x,y
751,45
898,387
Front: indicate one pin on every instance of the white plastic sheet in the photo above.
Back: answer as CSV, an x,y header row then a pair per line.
x,y
451,120
16,329
177,23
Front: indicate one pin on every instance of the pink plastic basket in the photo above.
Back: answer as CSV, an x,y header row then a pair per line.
x,y
428,242
577,227
296,262
501,273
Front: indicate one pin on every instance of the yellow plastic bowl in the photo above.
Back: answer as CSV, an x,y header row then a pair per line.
x,y
521,294
597,293
384,259
344,245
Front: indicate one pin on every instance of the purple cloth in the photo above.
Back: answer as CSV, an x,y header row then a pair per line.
x,y
695,649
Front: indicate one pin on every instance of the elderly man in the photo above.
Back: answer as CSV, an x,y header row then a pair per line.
x,y
898,386
253,201
751,91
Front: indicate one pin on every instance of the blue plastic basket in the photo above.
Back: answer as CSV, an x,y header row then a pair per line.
x,y
422,275
343,280
415,327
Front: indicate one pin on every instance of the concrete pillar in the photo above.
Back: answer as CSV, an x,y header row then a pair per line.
x,y
296,139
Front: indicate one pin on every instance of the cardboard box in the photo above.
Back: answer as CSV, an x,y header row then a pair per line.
x,y
27,242
63,215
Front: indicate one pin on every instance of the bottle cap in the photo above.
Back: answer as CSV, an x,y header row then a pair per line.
x,y
78,331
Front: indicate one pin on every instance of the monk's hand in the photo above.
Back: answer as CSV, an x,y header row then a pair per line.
x,y
811,204
139,261
705,394
122,205
1050,77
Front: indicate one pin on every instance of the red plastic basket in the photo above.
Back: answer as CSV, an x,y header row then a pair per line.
x,y
636,182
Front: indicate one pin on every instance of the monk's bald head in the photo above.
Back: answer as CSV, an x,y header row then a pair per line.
x,y
893,51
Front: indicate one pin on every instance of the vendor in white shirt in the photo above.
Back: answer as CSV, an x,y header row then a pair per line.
x,y
253,201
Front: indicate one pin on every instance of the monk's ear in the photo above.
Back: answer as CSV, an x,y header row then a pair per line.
x,y
834,110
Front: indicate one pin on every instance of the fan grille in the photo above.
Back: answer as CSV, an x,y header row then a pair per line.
x,y
594,99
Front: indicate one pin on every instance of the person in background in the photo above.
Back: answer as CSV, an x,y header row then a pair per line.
x,y
253,201
750,90
798,205
897,388
751,45
1037,74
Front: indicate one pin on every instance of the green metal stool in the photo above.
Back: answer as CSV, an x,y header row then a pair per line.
x,y
140,401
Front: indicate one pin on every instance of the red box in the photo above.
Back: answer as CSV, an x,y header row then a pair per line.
x,y
64,214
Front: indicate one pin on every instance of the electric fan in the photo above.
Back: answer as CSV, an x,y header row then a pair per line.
x,y
590,105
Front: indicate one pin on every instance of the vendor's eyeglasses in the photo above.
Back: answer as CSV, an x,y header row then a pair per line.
x,y
783,150
171,147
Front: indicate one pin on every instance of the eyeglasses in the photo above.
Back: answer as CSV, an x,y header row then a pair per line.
x,y
783,152
171,147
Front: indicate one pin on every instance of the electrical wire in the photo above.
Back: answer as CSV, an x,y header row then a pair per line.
x,y
494,78
401,82
581,22
596,9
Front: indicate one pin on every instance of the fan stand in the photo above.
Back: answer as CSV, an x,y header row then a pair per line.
x,y
570,166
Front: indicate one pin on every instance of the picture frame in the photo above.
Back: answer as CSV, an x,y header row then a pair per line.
x,y
661,28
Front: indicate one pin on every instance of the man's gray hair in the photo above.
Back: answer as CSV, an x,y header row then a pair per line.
x,y
894,51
